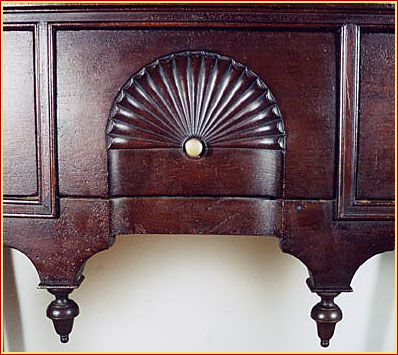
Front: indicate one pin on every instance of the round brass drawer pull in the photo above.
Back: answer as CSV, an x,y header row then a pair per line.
x,y
193,147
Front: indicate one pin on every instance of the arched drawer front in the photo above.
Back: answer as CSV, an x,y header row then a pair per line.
x,y
195,123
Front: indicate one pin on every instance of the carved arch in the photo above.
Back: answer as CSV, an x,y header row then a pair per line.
x,y
195,94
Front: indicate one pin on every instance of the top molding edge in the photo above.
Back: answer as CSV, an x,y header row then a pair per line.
x,y
352,8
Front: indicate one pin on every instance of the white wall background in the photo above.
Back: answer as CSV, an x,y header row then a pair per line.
x,y
198,294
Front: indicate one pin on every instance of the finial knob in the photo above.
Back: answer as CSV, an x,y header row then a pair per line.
x,y
193,147
326,314
62,311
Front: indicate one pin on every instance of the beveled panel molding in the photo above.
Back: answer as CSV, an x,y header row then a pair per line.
x,y
45,203
348,206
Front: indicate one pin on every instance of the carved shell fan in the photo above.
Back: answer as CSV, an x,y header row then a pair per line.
x,y
195,94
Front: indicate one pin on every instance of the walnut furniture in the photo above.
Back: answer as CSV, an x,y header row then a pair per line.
x,y
250,119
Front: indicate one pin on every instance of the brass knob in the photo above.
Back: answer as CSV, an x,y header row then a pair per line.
x,y
193,147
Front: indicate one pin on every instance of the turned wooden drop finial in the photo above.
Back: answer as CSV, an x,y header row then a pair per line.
x,y
62,311
326,314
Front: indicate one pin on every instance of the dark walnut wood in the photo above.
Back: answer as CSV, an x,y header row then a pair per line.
x,y
270,119
308,110
197,94
366,163
326,314
131,172
20,170
376,118
59,247
219,216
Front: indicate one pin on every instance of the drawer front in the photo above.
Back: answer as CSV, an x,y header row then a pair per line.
x,y
376,117
299,67
195,123
222,172
29,172
19,114
367,149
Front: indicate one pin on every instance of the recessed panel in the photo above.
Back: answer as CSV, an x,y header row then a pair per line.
x,y
19,114
376,161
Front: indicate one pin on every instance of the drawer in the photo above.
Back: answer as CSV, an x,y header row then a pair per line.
x,y
376,129
28,171
367,160
93,64
221,172
195,123
20,159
